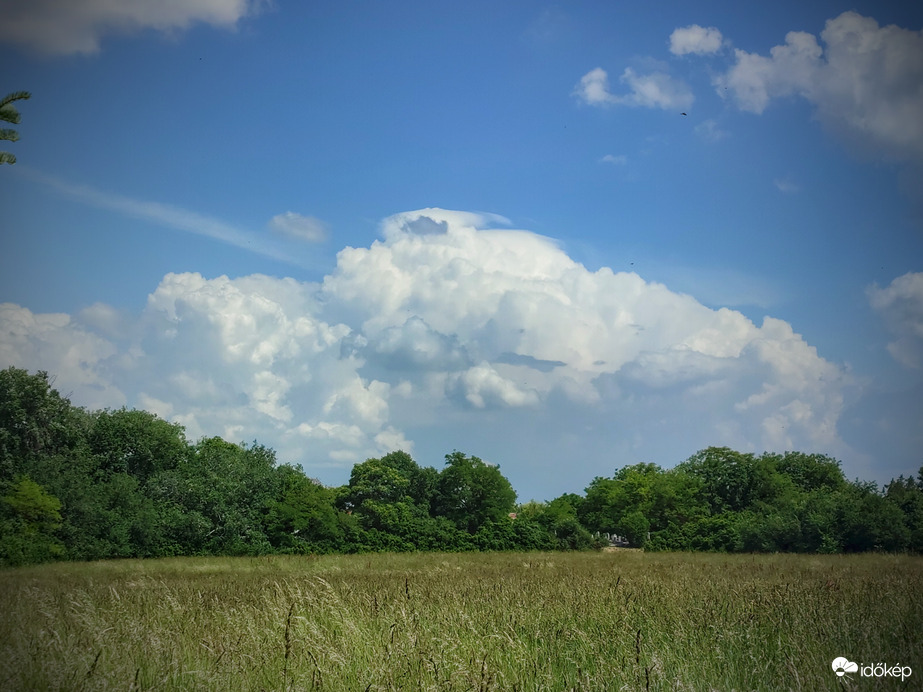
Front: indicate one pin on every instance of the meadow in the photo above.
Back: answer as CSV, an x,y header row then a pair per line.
x,y
622,620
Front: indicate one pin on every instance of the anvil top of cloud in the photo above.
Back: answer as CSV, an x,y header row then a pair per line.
x,y
445,316
679,226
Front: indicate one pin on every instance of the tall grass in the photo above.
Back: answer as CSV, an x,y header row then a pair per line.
x,y
580,621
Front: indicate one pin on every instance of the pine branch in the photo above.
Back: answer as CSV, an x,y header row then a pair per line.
x,y
15,96
9,114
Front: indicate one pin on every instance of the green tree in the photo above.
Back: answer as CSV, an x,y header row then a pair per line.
x,y
551,526
219,497
565,506
9,114
730,480
676,499
303,519
470,492
105,516
769,530
395,477
36,422
421,481
137,442
635,526
907,495
808,472
717,533
29,519
817,513
602,506
391,498
120,520
625,504
496,535
865,520
531,535
374,480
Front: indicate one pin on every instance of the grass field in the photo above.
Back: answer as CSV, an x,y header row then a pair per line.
x,y
532,621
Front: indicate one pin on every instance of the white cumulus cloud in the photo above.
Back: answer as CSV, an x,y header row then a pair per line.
x,y
483,386
651,90
444,328
74,355
253,354
900,305
865,83
695,39
593,88
62,27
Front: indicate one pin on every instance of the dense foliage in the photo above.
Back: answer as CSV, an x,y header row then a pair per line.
x,y
82,485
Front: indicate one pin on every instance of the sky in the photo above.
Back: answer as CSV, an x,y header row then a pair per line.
x,y
563,238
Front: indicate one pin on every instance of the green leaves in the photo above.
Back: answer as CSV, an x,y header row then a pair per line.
x,y
303,518
378,481
137,442
35,422
8,113
470,492
29,519
31,505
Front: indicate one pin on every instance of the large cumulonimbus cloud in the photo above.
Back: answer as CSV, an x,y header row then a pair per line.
x,y
866,83
444,318
532,326
62,27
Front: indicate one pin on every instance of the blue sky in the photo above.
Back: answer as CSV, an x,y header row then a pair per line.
x,y
562,237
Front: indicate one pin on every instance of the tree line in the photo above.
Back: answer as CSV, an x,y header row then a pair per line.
x,y
87,485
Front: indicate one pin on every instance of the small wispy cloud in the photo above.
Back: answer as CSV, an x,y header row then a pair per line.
x,y
170,216
299,227
619,160
709,131
550,25
786,186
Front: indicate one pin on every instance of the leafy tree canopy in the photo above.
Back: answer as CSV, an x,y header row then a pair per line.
x,y
92,485
471,492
